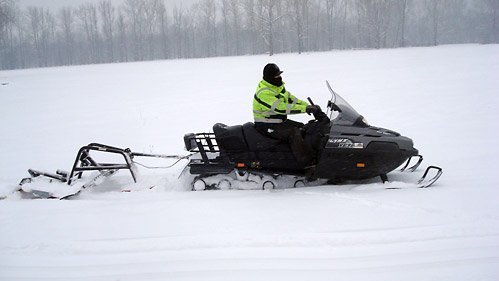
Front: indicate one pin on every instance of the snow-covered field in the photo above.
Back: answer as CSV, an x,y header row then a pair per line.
x,y
446,98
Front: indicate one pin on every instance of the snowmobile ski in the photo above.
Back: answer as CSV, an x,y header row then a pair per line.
x,y
415,166
424,182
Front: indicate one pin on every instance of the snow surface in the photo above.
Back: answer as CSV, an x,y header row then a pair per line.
x,y
445,98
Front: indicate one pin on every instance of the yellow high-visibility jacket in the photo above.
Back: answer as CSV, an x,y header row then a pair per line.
x,y
272,104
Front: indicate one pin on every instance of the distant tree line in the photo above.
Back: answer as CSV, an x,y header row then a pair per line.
x,y
138,30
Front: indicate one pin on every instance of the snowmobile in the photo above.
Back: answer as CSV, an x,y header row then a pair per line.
x,y
345,147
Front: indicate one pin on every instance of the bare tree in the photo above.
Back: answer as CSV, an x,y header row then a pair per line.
x,y
134,10
153,10
122,38
163,30
331,7
107,13
234,7
226,26
66,17
344,23
178,15
19,42
87,14
7,23
268,17
493,8
42,25
299,10
318,39
190,40
250,26
35,18
376,20
6,16
142,29
208,26
403,11
433,7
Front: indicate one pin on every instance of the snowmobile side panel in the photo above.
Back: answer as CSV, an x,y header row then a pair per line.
x,y
377,159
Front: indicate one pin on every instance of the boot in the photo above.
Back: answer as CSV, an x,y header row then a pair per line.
x,y
302,152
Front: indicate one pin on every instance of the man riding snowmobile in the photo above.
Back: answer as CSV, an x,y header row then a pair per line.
x,y
240,157
271,105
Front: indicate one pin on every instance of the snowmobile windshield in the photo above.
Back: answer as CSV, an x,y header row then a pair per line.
x,y
342,113
346,115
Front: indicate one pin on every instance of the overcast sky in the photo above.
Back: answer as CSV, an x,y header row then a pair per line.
x,y
56,4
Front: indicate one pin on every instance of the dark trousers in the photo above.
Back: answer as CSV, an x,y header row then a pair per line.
x,y
288,131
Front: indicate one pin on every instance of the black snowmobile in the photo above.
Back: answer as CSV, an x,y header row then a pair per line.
x,y
239,157
345,146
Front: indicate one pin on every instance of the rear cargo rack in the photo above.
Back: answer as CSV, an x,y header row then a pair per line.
x,y
205,143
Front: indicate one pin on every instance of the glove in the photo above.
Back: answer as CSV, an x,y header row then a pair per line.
x,y
312,109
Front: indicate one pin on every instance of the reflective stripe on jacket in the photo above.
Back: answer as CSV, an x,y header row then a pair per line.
x,y
272,104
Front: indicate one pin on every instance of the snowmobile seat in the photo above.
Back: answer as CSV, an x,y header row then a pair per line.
x,y
230,138
259,142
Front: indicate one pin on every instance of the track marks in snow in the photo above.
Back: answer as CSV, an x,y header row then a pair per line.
x,y
365,198
197,262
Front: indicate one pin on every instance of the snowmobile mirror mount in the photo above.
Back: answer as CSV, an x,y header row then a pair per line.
x,y
334,107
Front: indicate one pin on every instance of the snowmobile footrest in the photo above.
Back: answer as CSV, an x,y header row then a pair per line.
x,y
201,167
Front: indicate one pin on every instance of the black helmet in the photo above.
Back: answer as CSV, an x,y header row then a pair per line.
x,y
271,71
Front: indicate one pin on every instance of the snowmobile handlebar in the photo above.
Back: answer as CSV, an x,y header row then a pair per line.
x,y
310,101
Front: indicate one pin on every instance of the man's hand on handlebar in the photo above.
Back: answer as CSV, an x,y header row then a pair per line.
x,y
313,109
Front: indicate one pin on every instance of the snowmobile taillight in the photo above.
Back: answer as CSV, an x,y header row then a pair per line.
x,y
240,165
361,165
